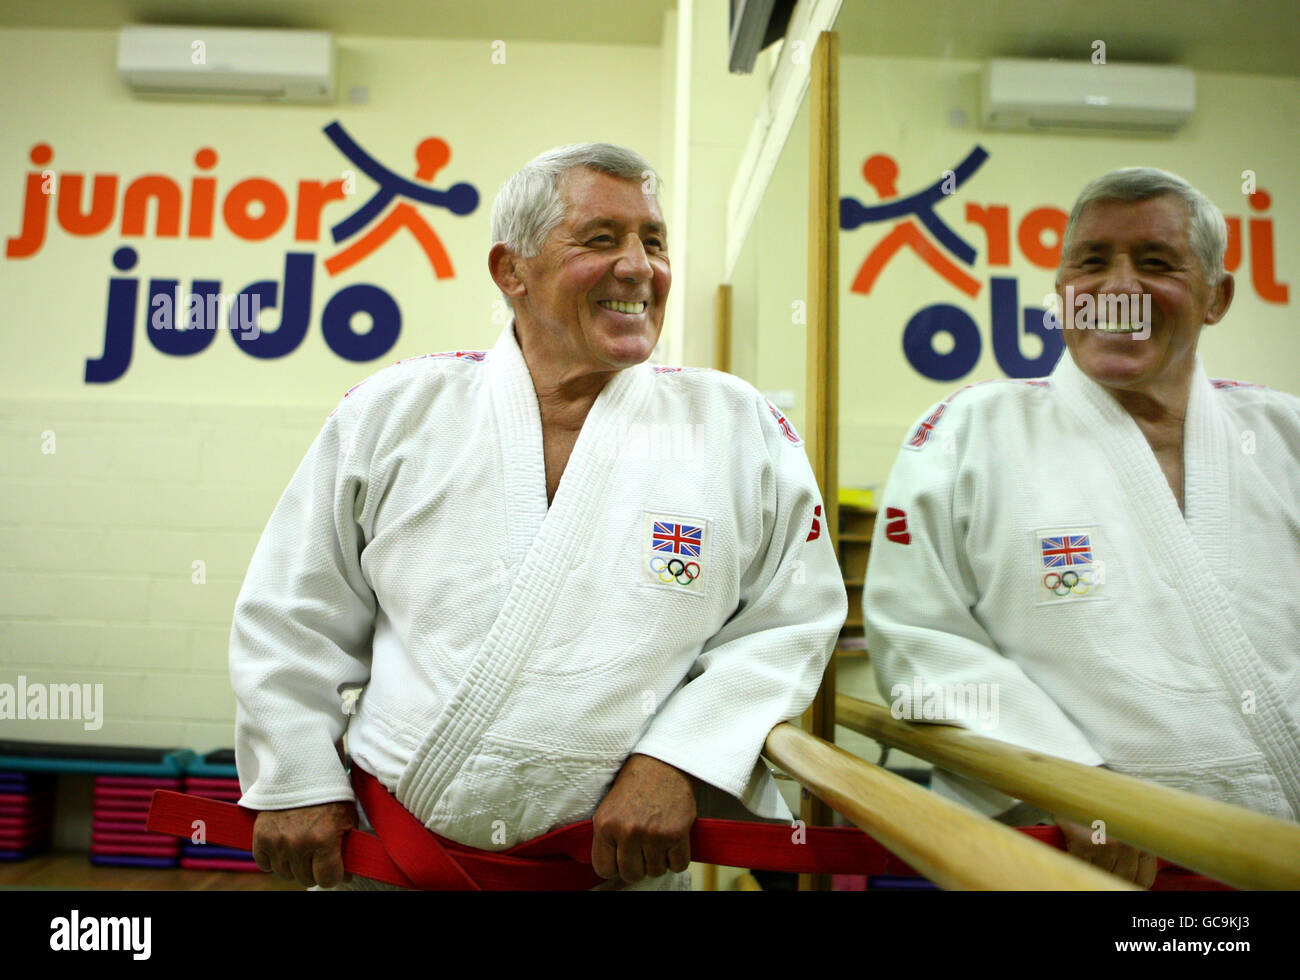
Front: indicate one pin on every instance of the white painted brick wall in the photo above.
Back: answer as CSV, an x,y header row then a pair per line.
x,y
97,545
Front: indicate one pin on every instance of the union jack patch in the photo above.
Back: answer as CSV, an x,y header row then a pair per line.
x,y
1066,566
918,437
787,429
674,552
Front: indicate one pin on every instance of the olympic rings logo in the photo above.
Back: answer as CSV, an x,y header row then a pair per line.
x,y
1070,581
675,570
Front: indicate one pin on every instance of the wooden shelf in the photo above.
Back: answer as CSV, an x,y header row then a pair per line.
x,y
854,550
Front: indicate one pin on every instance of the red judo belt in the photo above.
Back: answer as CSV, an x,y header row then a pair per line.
x,y
407,854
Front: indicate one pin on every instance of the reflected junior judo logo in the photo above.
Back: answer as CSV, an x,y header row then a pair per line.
x,y
1037,237
1068,566
675,550
881,172
916,211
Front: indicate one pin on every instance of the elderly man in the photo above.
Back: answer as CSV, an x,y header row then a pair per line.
x,y
1104,552
565,583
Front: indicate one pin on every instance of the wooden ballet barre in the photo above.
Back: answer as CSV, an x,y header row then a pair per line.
x,y
950,845
1230,843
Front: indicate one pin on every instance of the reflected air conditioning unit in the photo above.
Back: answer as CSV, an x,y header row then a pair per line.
x,y
1050,95
227,64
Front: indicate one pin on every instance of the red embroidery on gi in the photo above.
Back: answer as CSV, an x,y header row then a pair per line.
x,y
896,529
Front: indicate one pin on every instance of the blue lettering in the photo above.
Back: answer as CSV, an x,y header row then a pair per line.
x,y
385,319
1004,302
918,346
119,322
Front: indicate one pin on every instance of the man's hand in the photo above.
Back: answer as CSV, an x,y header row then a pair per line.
x,y
1114,856
304,844
643,826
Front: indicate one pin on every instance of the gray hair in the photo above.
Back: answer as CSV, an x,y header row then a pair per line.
x,y
529,205
1206,229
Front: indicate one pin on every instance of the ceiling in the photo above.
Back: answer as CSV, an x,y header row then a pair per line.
x,y
583,21
1245,36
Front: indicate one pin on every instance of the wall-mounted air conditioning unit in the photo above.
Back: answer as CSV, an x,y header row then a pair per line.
x,y
227,64
1025,94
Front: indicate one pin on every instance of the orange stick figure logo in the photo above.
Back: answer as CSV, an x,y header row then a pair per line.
x,y
881,172
430,157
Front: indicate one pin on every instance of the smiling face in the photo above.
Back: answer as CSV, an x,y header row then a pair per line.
x,y
593,298
1143,248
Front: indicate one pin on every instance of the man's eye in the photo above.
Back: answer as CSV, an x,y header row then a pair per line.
x,y
602,238
655,242
1156,264
1090,261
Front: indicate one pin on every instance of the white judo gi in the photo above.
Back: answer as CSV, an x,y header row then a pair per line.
x,y
1028,539
674,600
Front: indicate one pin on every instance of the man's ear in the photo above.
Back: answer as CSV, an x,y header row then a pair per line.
x,y
1221,298
503,265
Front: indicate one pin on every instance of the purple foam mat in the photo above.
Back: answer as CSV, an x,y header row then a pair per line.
x,y
215,851
33,780
8,786
900,883
22,855
122,861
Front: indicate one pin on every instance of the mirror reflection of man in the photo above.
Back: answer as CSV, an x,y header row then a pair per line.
x,y
1105,546
548,624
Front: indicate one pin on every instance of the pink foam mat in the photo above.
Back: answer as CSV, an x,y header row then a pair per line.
x,y
137,782
148,839
196,782
124,793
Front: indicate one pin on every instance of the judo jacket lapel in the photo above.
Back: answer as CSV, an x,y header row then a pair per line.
x,y
542,544
1195,552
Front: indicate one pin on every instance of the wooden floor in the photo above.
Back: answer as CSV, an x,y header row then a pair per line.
x,y
64,870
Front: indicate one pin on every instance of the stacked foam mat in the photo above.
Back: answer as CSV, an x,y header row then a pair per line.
x,y
117,830
26,813
125,780
214,777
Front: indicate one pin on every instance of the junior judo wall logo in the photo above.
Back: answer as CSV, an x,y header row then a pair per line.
x,y
254,209
916,227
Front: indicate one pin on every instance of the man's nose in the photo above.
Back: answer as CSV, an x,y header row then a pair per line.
x,y
632,262
1121,277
